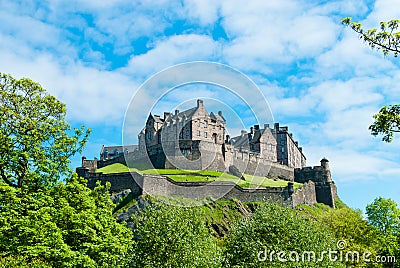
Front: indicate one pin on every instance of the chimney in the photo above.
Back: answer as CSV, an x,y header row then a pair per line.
x,y
199,103
220,113
301,149
251,130
176,112
228,139
166,115
266,126
243,133
276,126
256,127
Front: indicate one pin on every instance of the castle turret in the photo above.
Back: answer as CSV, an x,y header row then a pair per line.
x,y
325,163
327,171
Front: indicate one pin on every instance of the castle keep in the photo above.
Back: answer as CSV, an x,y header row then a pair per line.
x,y
196,140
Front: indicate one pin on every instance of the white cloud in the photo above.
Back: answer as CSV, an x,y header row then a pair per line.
x,y
348,164
91,95
173,50
384,10
203,11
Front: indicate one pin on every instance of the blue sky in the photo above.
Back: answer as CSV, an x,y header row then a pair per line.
x,y
317,76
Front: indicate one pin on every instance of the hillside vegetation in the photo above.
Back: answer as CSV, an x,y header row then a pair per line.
x,y
231,233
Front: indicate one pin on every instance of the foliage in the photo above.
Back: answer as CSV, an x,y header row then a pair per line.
x,y
273,228
68,225
35,144
384,214
22,262
386,39
387,122
349,226
168,236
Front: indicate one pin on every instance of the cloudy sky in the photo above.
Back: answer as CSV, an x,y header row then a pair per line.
x,y
317,76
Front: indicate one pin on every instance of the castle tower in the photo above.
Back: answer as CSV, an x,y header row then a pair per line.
x,y
326,170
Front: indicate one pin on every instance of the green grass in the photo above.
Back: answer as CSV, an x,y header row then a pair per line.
x,y
201,176
114,168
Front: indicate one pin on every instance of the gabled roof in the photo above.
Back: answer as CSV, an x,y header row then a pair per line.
x,y
157,119
248,138
188,114
217,117
257,135
240,141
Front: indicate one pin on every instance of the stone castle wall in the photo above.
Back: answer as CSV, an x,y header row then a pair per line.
x,y
163,186
318,185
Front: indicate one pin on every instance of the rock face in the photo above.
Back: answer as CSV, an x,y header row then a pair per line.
x,y
230,212
117,197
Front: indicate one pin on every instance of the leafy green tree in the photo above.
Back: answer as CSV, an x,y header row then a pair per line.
x,y
259,240
384,214
35,140
386,39
169,236
22,262
68,225
349,226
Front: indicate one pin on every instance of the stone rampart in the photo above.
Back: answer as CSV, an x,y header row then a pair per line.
x,y
163,186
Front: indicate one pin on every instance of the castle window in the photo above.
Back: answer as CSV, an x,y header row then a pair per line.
x,y
283,149
198,123
205,134
198,133
205,123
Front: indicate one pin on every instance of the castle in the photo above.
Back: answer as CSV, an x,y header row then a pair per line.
x,y
196,140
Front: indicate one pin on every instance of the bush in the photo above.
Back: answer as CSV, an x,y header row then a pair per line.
x,y
256,241
66,226
168,236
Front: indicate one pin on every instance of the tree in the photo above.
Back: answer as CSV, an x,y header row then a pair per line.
x,y
68,225
169,236
384,214
35,140
386,39
348,225
259,241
